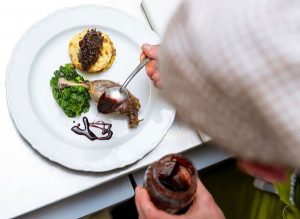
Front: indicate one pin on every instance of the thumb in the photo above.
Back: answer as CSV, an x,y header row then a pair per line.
x,y
204,205
151,51
146,208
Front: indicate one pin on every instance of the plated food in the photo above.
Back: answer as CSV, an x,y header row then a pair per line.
x,y
129,107
92,51
96,89
73,100
27,81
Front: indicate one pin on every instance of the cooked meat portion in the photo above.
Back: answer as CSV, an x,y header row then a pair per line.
x,y
130,107
96,88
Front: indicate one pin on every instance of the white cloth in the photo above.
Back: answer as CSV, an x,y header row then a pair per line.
x,y
232,70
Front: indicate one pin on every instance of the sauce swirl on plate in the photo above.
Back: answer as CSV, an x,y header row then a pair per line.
x,y
106,133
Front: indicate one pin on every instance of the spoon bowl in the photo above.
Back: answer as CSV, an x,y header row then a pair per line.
x,y
117,93
115,96
111,99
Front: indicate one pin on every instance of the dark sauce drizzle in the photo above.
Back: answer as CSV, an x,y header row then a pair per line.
x,y
107,105
105,127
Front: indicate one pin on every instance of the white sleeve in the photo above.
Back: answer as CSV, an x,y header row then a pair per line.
x,y
232,70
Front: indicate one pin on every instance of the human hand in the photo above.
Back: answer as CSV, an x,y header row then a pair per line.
x,y
151,51
266,172
203,206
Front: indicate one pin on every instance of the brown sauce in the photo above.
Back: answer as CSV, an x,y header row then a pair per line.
x,y
106,132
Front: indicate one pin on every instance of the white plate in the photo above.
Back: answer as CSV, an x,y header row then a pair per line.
x,y
44,125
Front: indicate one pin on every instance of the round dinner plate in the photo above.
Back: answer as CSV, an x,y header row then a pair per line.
x,y
42,122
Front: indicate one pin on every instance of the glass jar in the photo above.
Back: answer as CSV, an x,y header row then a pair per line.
x,y
171,183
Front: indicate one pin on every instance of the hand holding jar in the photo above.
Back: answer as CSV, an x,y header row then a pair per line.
x,y
154,203
203,206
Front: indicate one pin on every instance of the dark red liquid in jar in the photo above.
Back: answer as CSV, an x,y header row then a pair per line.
x,y
106,105
171,183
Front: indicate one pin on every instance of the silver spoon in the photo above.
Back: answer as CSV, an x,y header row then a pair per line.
x,y
114,96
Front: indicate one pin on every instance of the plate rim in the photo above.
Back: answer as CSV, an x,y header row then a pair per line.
x,y
8,90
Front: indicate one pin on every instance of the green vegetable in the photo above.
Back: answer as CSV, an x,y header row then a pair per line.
x,y
74,100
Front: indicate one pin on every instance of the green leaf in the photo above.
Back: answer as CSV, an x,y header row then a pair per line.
x,y
73,100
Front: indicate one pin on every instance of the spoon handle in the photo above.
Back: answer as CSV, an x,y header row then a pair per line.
x,y
135,71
